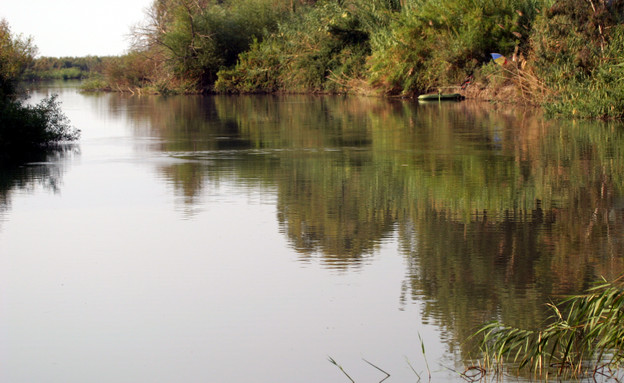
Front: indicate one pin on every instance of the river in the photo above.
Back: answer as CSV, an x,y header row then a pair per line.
x,y
253,238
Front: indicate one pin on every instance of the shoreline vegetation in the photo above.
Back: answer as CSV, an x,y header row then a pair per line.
x,y
584,337
26,131
566,56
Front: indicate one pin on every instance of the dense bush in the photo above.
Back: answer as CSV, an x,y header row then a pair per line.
x,y
435,43
15,54
25,129
562,54
404,47
323,48
184,43
258,70
577,49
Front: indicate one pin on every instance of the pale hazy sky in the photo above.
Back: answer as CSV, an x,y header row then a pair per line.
x,y
75,27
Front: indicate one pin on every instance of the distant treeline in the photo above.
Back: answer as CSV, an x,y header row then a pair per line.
x,y
567,55
65,68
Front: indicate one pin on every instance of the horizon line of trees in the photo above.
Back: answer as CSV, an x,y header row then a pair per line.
x,y
65,68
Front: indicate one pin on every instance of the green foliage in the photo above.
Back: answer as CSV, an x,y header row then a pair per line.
x,y
56,74
26,129
95,83
400,47
64,68
564,55
185,43
577,50
131,70
436,43
15,54
318,49
258,70
584,328
327,41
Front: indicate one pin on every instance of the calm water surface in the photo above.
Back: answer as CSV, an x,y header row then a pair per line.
x,y
248,239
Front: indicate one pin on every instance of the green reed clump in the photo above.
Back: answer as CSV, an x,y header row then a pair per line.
x,y
95,83
585,334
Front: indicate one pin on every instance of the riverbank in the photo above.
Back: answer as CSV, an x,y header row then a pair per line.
x,y
565,56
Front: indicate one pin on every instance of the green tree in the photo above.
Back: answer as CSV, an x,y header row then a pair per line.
x,y
190,41
25,129
16,53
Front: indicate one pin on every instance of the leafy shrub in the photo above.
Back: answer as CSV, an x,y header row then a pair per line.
x,y
258,70
188,42
15,54
26,129
317,49
577,50
131,70
95,83
437,43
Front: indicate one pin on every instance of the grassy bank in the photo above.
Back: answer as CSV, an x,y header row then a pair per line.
x,y
562,55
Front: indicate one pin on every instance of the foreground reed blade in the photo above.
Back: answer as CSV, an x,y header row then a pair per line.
x,y
332,361
387,375
422,346
584,335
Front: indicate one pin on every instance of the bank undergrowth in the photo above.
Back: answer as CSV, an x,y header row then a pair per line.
x,y
562,54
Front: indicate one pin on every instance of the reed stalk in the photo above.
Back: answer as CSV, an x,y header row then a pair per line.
x,y
584,335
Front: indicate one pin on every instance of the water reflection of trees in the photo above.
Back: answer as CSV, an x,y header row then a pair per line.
x,y
45,171
496,211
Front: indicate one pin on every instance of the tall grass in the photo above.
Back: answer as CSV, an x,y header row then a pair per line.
x,y
585,335
576,51
437,43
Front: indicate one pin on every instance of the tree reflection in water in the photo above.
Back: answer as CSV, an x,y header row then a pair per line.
x,y
496,211
46,172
